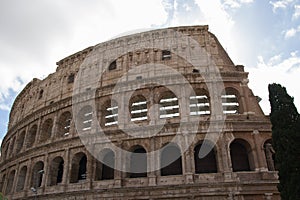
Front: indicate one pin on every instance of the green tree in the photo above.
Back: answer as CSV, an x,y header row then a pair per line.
x,y
2,197
285,121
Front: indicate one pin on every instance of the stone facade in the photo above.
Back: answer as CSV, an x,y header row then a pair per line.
x,y
43,156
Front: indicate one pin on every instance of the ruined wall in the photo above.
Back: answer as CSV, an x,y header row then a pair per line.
x,y
42,134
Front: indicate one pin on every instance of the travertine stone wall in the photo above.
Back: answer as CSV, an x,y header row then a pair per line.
x,y
36,123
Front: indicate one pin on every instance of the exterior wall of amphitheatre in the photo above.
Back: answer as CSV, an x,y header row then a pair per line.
x,y
42,140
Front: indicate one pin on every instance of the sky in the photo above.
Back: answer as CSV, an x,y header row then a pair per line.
x,y
262,35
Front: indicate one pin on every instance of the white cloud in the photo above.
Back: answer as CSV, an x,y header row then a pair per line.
x,y
269,72
4,107
220,22
294,53
291,32
231,3
273,60
246,1
296,14
280,4
187,7
34,38
236,3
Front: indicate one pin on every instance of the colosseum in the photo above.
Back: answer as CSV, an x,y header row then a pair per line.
x,y
161,114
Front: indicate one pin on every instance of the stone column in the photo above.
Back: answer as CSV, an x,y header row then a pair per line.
x,y
38,132
151,160
13,189
46,171
122,119
28,176
67,169
54,127
259,154
189,166
183,101
118,173
244,92
25,139
225,155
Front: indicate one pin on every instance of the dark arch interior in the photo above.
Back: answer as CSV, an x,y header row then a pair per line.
x,y
208,164
138,163
171,162
239,157
79,167
107,169
37,174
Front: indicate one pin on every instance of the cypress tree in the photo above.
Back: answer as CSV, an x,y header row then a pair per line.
x,y
286,141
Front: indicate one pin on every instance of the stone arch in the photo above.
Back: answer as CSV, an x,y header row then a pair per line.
x,y
109,113
169,105
46,130
10,182
208,164
85,118
41,93
6,148
138,162
20,142
2,182
168,153
21,179
112,65
241,155
200,102
37,174
78,168
30,138
138,108
270,155
56,171
64,124
231,101
105,171
11,147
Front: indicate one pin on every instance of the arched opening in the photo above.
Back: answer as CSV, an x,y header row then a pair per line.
x,y
79,168
11,147
85,117
112,65
199,103
2,182
170,160
138,163
31,136
169,107
6,152
71,78
207,164
56,171
10,182
37,174
21,179
138,108
230,101
239,155
105,170
46,130
270,155
109,113
20,142
4,149
64,124
41,94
